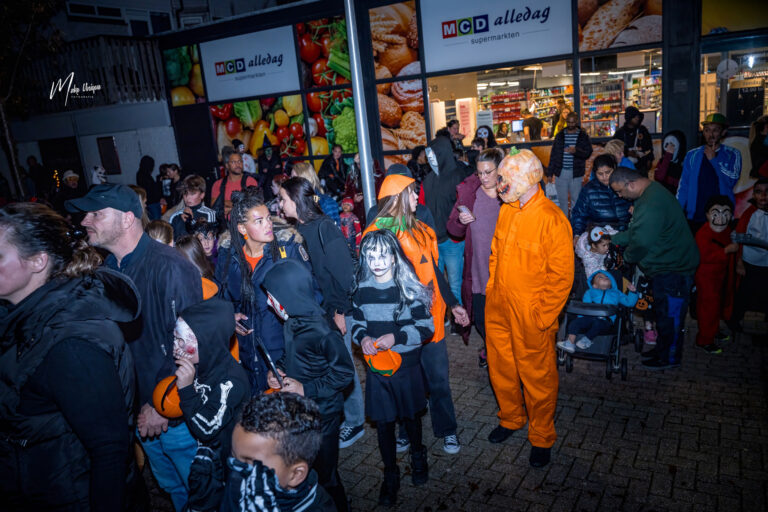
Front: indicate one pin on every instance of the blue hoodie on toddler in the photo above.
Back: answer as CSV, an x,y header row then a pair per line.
x,y
610,296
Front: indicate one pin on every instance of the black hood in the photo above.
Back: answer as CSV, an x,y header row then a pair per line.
x,y
290,282
443,150
105,294
631,112
680,136
213,322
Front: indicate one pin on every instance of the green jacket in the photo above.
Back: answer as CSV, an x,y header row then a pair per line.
x,y
658,238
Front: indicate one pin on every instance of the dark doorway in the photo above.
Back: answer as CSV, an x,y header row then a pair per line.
x,y
62,155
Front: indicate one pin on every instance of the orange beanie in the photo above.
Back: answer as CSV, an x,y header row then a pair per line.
x,y
394,184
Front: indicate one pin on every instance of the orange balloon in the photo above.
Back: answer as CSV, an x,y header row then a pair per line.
x,y
166,398
384,362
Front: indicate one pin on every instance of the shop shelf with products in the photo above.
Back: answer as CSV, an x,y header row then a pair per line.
x,y
546,99
507,106
601,105
645,92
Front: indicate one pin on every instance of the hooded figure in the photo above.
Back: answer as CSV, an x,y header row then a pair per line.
x,y
439,186
670,165
221,385
638,146
270,165
315,356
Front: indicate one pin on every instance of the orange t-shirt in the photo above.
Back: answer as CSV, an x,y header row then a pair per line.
x,y
252,261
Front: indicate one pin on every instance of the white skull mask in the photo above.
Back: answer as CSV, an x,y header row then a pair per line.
x,y
432,159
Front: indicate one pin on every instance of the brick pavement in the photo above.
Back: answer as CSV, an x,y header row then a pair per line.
x,y
689,439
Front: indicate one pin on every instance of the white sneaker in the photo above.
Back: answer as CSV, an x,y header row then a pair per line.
x,y
567,346
584,343
451,444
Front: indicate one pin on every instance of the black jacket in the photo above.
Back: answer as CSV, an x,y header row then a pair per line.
x,y
150,185
583,152
314,354
167,284
636,137
331,263
66,395
268,169
333,179
440,189
598,204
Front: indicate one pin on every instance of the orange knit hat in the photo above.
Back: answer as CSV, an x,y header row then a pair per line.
x,y
394,184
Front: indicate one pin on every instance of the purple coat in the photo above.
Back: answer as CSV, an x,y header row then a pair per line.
x,y
465,195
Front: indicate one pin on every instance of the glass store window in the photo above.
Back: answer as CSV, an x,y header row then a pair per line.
x,y
503,99
734,83
611,83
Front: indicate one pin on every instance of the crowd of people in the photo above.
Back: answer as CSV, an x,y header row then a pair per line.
x,y
217,324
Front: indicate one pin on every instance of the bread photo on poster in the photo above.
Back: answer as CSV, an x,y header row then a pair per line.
x,y
617,23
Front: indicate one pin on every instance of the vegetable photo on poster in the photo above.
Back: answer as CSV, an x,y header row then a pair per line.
x,y
275,121
395,42
324,52
616,23
182,68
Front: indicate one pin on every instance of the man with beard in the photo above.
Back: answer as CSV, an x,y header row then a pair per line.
x,y
530,276
167,284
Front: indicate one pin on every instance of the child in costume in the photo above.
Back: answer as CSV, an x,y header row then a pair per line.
x,y
390,311
350,225
603,291
592,247
316,362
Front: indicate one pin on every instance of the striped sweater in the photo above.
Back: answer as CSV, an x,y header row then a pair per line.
x,y
374,306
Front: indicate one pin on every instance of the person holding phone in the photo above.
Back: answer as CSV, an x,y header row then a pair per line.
x,y
474,218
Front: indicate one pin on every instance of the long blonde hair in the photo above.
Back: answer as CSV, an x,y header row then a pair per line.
x,y
306,171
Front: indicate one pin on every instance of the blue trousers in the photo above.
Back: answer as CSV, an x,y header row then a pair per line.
x,y
452,259
354,407
589,326
671,293
170,457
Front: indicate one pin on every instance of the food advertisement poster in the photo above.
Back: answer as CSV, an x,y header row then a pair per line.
x,y
250,65
617,23
395,40
718,16
182,68
460,34
324,58
276,121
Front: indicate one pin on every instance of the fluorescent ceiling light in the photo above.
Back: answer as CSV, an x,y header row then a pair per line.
x,y
497,84
532,68
482,86
627,72
513,84
591,73
751,61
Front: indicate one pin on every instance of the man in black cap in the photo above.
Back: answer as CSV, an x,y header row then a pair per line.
x,y
638,146
167,284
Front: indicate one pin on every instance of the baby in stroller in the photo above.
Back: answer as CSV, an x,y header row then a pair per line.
x,y
603,291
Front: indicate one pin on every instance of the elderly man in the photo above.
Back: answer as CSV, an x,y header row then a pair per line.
x,y
530,276
167,284
659,241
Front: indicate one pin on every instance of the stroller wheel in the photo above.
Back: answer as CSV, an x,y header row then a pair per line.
x,y
560,357
639,340
623,368
568,363
608,370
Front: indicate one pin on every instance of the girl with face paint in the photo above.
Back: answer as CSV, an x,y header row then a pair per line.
x,y
714,276
486,133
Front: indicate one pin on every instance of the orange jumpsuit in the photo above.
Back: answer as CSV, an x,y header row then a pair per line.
x,y
531,273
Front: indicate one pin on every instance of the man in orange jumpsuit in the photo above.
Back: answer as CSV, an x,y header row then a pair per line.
x,y
531,273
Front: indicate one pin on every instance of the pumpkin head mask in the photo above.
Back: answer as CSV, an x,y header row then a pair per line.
x,y
518,172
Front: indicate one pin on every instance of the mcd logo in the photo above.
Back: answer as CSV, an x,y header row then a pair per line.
x,y
230,66
465,26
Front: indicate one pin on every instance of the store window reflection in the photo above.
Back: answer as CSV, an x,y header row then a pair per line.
x,y
611,83
518,104
734,83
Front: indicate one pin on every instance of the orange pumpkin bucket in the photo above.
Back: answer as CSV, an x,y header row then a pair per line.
x,y
166,398
384,362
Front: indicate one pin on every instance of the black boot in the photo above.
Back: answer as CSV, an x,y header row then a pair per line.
x,y
389,488
419,466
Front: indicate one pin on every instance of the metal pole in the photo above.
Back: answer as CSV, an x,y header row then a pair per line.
x,y
361,119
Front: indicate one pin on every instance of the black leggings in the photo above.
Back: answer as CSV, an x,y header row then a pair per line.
x,y
386,435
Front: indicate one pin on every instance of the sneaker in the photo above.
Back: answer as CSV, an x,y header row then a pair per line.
x,y
722,337
539,456
451,444
500,434
566,346
403,444
348,435
482,358
649,337
584,343
712,348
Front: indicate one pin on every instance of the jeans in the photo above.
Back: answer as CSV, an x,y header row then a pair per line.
x,y
589,326
452,258
567,184
434,362
327,460
170,456
354,406
671,293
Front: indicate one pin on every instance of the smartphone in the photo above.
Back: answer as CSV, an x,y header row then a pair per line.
x,y
463,209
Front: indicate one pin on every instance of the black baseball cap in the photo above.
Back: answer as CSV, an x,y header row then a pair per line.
x,y
108,195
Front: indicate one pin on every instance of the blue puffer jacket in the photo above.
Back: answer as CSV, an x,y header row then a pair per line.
x,y
598,204
612,296
265,323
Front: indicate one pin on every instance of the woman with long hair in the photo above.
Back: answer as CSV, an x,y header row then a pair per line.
x,y
326,203
191,248
485,132
397,203
66,374
252,251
